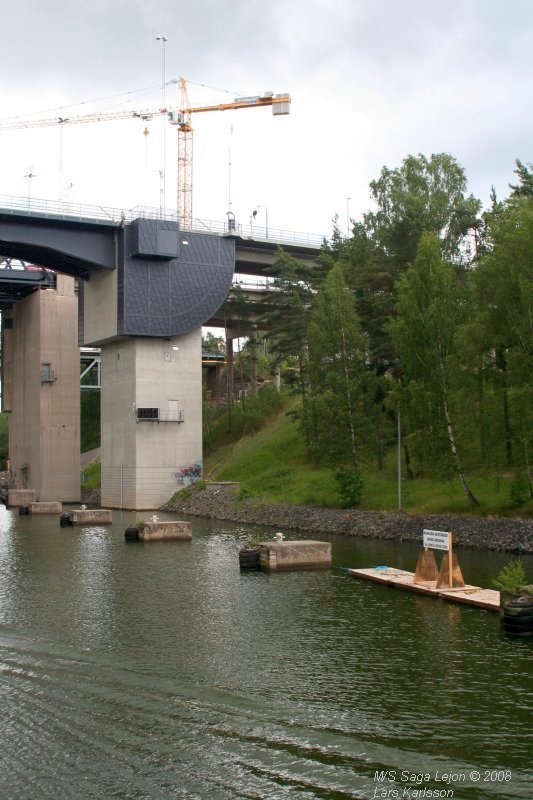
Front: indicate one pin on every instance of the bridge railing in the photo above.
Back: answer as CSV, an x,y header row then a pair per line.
x,y
57,209
250,284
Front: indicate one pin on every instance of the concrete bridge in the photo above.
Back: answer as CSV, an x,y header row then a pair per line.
x,y
145,290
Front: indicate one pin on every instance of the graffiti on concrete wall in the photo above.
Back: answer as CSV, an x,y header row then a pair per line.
x,y
189,475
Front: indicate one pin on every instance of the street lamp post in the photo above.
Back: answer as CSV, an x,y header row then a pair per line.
x,y
254,215
29,176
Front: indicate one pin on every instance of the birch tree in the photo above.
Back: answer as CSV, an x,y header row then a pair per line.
x,y
336,372
430,310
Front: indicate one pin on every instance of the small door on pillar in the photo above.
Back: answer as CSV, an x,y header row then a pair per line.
x,y
173,410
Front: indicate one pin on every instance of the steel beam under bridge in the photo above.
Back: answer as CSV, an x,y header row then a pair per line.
x,y
77,240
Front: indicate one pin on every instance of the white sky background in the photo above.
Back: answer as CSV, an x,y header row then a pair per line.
x,y
371,82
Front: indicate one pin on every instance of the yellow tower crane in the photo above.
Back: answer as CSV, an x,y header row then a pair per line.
x,y
181,119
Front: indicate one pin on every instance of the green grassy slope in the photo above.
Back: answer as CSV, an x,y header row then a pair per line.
x,y
271,465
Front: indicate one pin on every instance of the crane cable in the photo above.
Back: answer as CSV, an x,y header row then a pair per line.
x,y
146,90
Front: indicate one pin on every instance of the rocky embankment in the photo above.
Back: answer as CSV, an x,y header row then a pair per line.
x,y
513,535
91,497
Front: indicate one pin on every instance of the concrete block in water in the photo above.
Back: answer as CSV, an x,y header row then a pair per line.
x,y
94,516
305,554
20,497
172,530
45,508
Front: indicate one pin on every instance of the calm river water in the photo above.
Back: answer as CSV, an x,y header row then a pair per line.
x,y
160,671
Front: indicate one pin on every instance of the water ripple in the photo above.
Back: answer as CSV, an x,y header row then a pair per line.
x,y
157,671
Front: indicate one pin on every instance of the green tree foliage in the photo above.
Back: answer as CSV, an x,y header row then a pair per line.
x,y
336,374
263,359
286,317
368,273
423,195
524,187
430,310
426,305
287,307
504,321
212,343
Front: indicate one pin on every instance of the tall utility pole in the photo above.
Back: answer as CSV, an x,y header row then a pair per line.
x,y
399,443
162,176
348,217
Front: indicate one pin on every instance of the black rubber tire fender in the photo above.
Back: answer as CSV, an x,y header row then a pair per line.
x,y
517,626
524,601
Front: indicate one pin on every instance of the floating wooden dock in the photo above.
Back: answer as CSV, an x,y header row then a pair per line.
x,y
469,595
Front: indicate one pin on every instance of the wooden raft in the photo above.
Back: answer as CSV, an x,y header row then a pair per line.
x,y
469,595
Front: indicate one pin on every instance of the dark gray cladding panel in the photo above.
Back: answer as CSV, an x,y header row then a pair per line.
x,y
171,297
154,238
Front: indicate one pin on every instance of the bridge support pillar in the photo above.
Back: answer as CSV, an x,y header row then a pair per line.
x,y
41,383
151,419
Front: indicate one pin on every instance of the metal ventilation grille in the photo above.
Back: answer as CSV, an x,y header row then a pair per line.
x,y
148,413
156,415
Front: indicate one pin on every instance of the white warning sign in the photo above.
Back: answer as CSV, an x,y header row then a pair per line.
x,y
437,540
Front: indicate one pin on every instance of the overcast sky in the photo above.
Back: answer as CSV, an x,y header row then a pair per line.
x,y
371,81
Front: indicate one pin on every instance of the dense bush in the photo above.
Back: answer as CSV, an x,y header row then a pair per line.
x,y
350,485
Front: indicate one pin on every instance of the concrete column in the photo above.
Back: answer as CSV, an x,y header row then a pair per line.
x,y
149,455
43,395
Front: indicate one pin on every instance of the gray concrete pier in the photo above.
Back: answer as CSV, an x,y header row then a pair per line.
x,y
173,530
95,516
304,554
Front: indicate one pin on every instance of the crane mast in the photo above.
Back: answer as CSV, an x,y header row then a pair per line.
x,y
280,104
185,143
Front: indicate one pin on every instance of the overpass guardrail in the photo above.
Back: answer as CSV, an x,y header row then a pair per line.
x,y
106,215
